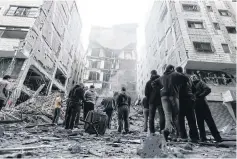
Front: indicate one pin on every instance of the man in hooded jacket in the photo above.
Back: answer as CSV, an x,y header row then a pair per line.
x,y
152,92
171,82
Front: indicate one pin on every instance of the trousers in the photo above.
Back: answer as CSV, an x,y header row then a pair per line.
x,y
109,113
203,114
72,110
187,110
123,114
56,115
152,113
171,110
1,104
146,115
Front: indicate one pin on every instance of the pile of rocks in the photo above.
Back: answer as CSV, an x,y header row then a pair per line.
x,y
36,110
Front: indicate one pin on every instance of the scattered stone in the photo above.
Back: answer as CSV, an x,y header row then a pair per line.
x,y
188,146
76,148
27,142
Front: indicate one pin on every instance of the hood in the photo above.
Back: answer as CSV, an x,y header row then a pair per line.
x,y
168,72
154,77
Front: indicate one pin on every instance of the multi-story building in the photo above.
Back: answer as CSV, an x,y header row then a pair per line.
x,y
111,58
200,36
39,42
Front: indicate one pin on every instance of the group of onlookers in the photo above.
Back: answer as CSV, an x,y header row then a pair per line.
x,y
177,96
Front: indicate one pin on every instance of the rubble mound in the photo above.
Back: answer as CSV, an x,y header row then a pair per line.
x,y
36,110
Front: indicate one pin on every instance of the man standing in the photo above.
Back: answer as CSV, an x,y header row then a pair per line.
x,y
57,108
123,104
171,82
186,102
90,100
109,105
75,98
145,112
202,110
152,92
4,87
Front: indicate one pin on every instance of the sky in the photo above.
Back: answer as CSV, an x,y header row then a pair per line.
x,y
109,12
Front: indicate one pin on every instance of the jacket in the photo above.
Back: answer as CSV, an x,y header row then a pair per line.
x,y
123,99
4,89
76,95
109,104
187,90
201,89
152,92
91,96
171,82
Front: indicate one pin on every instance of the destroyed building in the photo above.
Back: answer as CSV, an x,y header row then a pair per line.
x,y
111,58
200,36
40,44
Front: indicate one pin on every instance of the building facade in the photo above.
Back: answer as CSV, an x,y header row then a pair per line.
x,y
200,36
111,59
39,45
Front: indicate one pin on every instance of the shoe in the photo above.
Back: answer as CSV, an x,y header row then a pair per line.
x,y
194,140
165,134
145,130
218,140
203,139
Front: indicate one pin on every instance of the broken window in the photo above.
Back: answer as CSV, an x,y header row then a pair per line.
x,y
195,25
209,8
225,48
202,47
13,32
94,76
95,52
107,65
34,79
23,11
231,30
60,77
224,12
216,26
106,76
190,7
95,64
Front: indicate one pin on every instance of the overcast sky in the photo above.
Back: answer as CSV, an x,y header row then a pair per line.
x,y
110,12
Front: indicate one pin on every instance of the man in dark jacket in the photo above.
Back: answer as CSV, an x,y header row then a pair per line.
x,y
202,110
145,112
109,105
74,104
123,104
152,92
171,82
186,109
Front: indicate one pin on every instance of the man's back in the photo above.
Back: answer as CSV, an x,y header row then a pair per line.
x,y
90,96
123,99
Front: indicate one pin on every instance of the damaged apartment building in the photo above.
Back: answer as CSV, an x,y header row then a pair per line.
x,y
200,36
111,58
40,46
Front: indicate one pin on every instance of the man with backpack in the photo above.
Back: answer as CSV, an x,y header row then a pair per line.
x,y
4,87
123,104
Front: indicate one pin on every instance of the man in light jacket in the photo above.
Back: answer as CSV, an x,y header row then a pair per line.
x,y
90,100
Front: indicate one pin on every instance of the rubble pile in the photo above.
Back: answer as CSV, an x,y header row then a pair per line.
x,y
36,110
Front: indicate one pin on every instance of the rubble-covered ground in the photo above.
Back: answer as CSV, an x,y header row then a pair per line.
x,y
36,140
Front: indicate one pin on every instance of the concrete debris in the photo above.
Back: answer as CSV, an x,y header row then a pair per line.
x,y
76,148
188,146
1,131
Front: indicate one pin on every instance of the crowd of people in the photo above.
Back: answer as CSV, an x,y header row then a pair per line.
x,y
176,96
80,98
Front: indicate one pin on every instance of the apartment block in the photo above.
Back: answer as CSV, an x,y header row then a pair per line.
x,y
111,59
40,46
200,36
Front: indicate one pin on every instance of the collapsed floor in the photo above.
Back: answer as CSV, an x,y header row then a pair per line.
x,y
36,137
